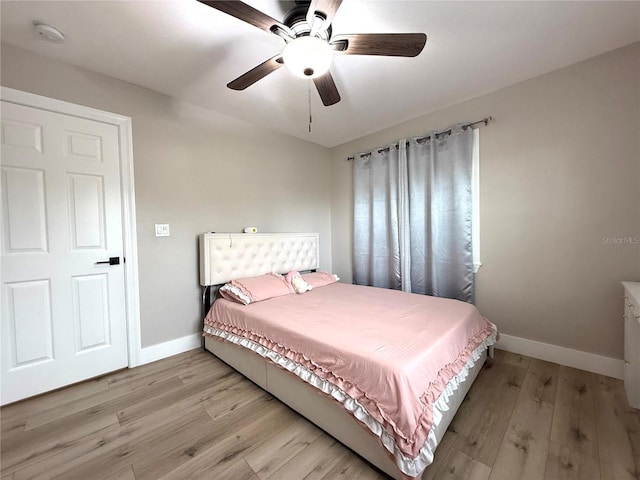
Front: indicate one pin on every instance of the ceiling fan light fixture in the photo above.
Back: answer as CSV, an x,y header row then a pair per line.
x,y
307,57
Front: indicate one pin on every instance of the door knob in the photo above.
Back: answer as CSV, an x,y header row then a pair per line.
x,y
111,261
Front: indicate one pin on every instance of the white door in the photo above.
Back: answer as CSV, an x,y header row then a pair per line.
x,y
63,313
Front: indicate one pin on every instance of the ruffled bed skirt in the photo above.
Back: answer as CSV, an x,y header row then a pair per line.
x,y
412,467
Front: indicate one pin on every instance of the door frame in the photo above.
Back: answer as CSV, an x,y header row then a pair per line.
x,y
130,241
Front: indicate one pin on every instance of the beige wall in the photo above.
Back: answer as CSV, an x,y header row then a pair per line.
x,y
197,171
560,170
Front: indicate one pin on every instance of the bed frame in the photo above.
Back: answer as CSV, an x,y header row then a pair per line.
x,y
226,257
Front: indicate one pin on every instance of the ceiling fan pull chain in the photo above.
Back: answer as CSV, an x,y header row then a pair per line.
x,y
309,98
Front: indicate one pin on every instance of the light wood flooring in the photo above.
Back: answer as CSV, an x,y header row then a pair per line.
x,y
193,417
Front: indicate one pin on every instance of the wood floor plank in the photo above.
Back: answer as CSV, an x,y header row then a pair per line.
x,y
243,426
618,430
352,467
226,445
98,444
168,437
301,465
483,417
459,466
614,471
541,382
523,452
328,459
125,474
198,367
36,445
205,390
202,425
159,369
270,456
236,396
238,470
511,358
524,448
9,427
563,462
201,468
108,400
185,367
440,455
56,398
574,418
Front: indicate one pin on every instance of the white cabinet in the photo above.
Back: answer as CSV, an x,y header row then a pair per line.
x,y
632,342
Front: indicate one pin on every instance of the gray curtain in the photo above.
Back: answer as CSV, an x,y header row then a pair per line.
x,y
375,246
413,216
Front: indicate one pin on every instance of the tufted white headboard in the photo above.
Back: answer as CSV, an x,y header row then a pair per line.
x,y
229,256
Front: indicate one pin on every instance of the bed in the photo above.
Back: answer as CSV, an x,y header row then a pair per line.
x,y
386,399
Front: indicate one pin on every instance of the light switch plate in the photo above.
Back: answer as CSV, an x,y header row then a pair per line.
x,y
162,230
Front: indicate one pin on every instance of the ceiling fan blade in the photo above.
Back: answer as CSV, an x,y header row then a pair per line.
x,y
257,73
387,44
327,7
327,89
246,13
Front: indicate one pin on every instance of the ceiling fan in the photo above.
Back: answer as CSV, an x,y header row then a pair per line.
x,y
310,46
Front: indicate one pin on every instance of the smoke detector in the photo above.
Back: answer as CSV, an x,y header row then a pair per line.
x,y
49,33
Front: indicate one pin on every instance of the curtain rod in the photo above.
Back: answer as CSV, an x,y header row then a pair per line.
x,y
437,134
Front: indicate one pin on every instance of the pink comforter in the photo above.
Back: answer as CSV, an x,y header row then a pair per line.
x,y
393,352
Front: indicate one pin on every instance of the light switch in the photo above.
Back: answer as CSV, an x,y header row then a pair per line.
x,y
162,230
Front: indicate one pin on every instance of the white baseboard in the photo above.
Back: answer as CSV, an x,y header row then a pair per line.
x,y
170,348
611,367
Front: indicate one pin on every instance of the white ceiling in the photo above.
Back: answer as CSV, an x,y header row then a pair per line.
x,y
189,51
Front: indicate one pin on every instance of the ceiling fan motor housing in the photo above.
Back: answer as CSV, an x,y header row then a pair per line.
x,y
296,20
